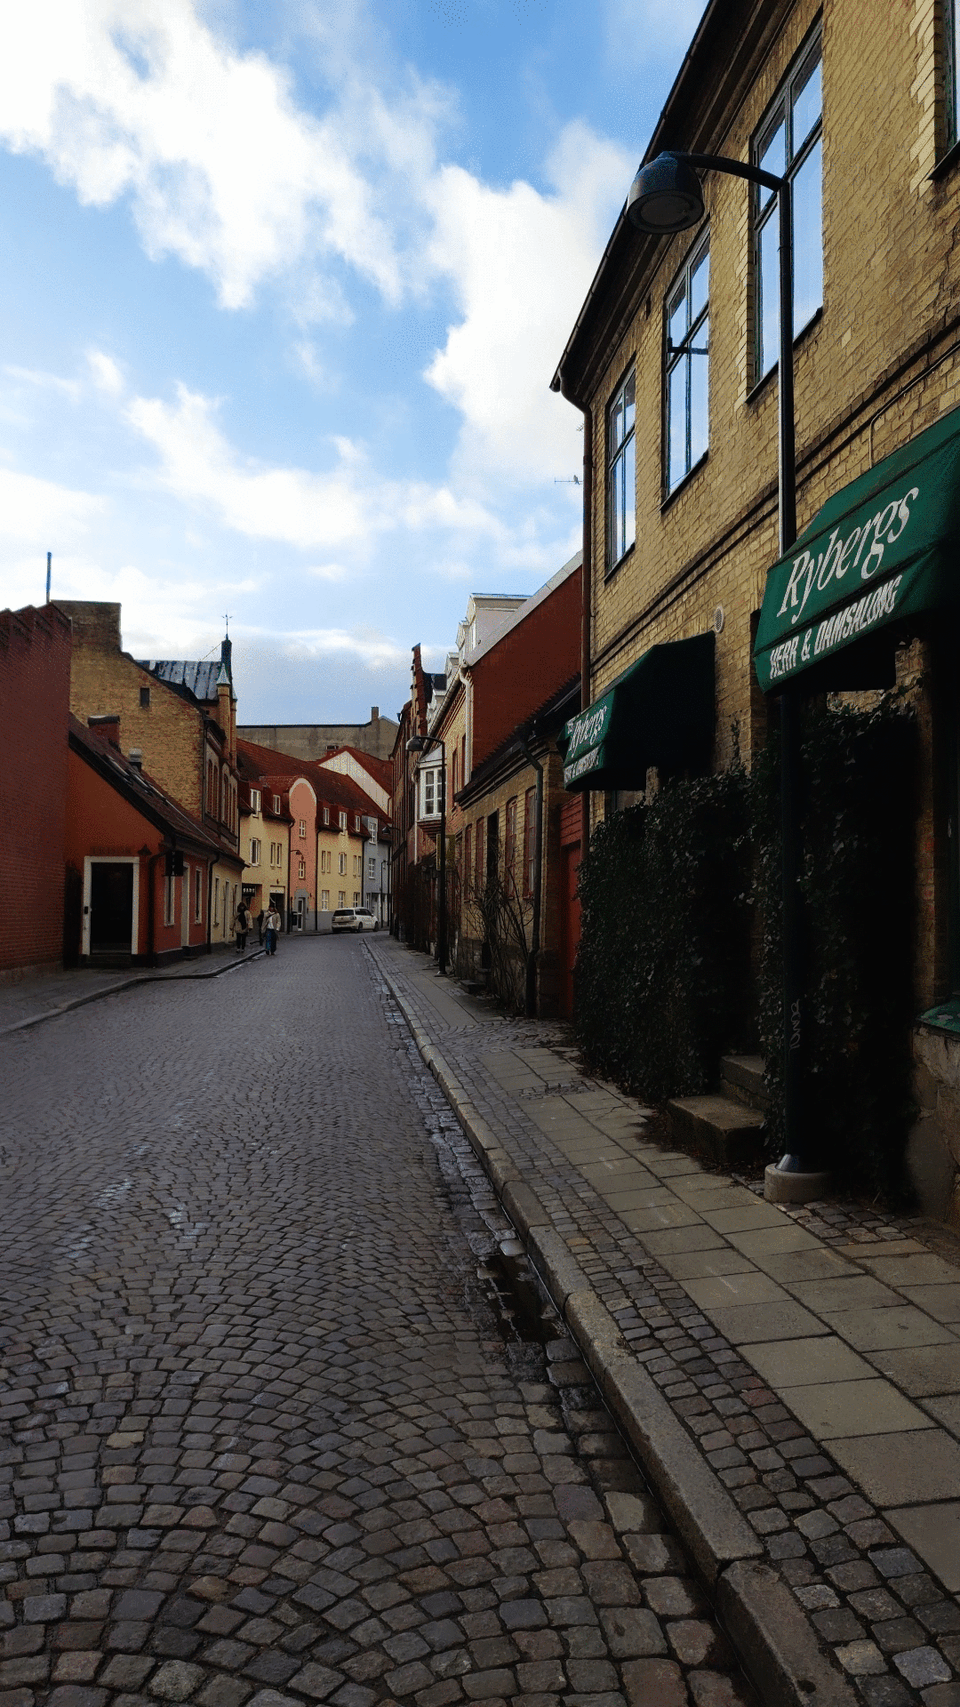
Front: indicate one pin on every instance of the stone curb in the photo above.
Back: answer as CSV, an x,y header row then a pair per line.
x,y
772,1637
124,984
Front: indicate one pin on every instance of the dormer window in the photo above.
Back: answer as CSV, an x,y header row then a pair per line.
x,y
343,820
254,799
276,803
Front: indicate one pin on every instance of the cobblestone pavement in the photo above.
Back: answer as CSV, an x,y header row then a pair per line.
x,y
266,1435
892,1628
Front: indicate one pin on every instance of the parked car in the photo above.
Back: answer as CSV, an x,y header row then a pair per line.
x,y
354,919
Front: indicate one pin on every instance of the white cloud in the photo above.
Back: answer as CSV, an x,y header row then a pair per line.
x,y
521,264
106,372
45,514
346,506
125,98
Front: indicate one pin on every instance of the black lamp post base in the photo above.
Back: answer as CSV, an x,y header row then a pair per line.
x,y
789,1185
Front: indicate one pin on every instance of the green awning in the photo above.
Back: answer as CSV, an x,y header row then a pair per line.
x,y
659,712
887,546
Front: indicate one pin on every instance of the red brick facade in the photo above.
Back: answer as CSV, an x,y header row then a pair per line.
x,y
34,709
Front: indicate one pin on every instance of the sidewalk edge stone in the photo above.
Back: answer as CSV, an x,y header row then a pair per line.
x,y
115,990
776,1643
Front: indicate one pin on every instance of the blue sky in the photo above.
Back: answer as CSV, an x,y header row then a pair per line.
x,y
284,286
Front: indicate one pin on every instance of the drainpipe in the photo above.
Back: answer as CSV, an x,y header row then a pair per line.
x,y
586,578
533,956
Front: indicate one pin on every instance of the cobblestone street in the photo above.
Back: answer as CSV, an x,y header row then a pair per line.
x,y
265,1433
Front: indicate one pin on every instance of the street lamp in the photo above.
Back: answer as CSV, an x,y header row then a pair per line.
x,y
420,744
666,196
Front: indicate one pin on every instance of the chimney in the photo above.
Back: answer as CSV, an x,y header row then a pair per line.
x,y
135,757
374,713
107,725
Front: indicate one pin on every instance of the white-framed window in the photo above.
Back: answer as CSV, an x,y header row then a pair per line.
x,y
303,829
687,365
276,803
343,820
341,897
254,799
356,821
430,791
789,144
372,867
302,869
621,471
343,865
356,897
326,814
324,900
254,850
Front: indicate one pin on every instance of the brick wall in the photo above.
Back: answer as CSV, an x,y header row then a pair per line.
x,y
167,729
34,706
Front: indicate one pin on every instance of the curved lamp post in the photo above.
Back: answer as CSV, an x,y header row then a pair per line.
x,y
666,196
420,744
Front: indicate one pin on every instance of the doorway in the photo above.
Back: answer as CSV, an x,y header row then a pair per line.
x,y
110,908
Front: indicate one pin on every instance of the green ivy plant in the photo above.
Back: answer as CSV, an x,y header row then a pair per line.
x,y
680,952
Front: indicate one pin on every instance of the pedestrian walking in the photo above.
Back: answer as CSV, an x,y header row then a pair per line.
x,y
273,928
261,916
241,925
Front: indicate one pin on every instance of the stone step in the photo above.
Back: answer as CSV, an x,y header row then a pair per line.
x,y
741,1079
723,1131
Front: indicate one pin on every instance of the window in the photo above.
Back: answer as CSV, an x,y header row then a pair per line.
x,y
324,900
430,793
276,803
356,897
168,898
303,829
356,821
478,856
687,366
211,786
510,842
621,472
341,897
326,814
254,851
302,869
789,145
216,900
529,841
254,799
144,698
343,865
371,868
468,853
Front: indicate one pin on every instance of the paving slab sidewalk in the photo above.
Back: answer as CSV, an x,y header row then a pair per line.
x,y
38,996
789,1378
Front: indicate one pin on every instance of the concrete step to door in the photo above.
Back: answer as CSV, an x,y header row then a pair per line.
x,y
741,1079
723,1131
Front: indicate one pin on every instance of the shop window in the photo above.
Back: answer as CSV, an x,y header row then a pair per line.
x,y
789,144
687,361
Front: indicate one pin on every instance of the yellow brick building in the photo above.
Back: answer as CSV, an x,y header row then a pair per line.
x,y
673,362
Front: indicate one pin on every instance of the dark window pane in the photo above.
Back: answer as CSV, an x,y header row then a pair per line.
x,y
807,240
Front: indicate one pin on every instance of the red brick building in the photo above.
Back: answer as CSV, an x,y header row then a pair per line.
x,y
34,708
138,867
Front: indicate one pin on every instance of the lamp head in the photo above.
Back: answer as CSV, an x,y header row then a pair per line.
x,y
416,743
665,196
